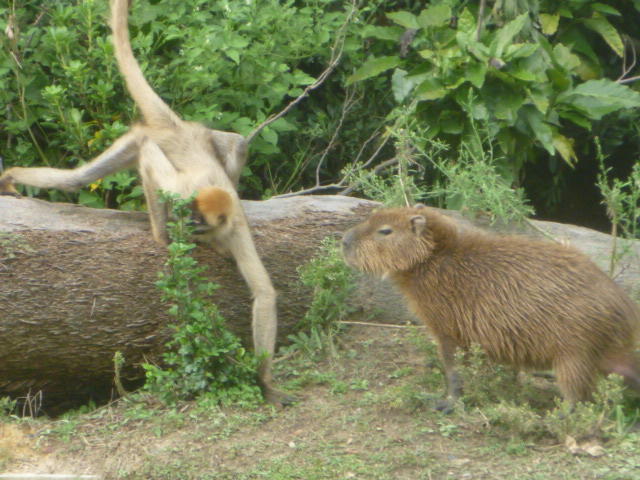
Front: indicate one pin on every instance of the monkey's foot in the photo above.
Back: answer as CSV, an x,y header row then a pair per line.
x,y
278,397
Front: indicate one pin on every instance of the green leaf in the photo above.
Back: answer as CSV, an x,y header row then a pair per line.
x,y
302,78
383,33
270,135
608,32
90,199
564,58
452,122
520,50
549,23
372,67
233,55
504,102
466,33
475,72
541,129
406,19
579,43
564,146
401,85
596,98
435,16
430,89
540,98
506,34
606,9
75,115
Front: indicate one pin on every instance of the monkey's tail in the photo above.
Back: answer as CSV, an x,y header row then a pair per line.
x,y
154,110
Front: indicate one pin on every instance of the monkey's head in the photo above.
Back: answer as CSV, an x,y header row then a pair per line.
x,y
212,211
393,240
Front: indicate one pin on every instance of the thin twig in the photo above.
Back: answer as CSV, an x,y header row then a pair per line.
x,y
346,107
629,80
311,190
625,69
480,19
343,182
336,56
366,142
384,325
379,168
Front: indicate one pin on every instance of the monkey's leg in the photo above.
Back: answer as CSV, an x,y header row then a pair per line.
x,y
120,155
157,173
447,349
575,377
265,322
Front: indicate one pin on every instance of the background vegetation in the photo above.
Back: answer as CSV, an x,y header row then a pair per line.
x,y
490,107
538,79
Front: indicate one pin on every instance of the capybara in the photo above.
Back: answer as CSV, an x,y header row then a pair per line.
x,y
529,303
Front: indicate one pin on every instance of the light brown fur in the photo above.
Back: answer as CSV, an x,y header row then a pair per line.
x,y
528,303
184,158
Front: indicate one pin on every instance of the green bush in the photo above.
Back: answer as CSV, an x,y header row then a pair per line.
x,y
332,283
203,356
531,67
226,65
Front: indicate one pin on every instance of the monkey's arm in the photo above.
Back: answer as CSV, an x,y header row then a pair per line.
x,y
122,154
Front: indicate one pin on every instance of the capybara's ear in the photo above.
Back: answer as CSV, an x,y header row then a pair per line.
x,y
419,205
418,224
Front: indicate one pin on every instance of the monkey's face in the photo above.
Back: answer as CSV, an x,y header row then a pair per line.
x,y
390,240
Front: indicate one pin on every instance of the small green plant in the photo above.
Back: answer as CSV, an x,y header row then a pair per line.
x,y
589,419
485,382
203,356
332,283
7,406
394,182
621,198
479,181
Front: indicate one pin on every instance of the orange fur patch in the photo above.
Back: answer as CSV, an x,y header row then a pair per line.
x,y
213,202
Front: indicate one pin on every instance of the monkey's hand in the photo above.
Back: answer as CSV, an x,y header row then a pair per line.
x,y
7,187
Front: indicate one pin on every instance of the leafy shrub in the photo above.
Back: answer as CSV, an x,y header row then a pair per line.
x,y
532,67
332,283
203,356
227,65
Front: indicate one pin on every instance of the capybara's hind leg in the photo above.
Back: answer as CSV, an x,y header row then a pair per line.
x,y
575,377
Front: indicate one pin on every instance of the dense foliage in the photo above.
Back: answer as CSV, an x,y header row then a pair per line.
x,y
538,78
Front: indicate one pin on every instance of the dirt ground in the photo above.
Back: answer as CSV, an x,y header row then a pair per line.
x,y
364,414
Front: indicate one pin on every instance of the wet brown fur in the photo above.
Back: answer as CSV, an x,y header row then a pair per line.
x,y
529,303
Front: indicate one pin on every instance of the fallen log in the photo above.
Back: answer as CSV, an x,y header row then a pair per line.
x,y
78,284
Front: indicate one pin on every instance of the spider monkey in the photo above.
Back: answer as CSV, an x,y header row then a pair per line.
x,y
181,157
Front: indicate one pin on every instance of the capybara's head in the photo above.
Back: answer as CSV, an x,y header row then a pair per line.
x,y
391,240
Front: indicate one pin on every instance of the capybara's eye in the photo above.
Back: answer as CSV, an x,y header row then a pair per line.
x,y
385,231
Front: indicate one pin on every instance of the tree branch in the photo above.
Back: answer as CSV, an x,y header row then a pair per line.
x,y
336,56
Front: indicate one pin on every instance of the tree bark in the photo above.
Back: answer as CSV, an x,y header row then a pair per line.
x,y
77,285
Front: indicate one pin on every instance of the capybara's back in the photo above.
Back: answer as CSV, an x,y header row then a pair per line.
x,y
527,302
